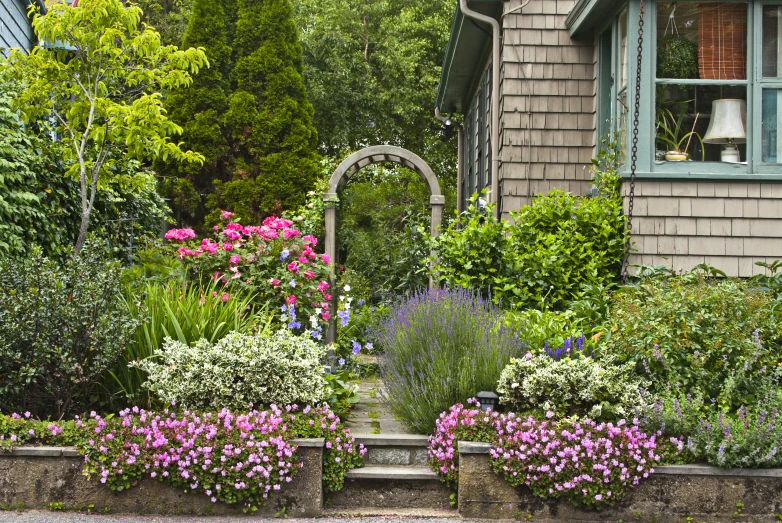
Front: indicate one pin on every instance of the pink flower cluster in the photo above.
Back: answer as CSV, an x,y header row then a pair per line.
x,y
272,261
180,235
589,463
234,458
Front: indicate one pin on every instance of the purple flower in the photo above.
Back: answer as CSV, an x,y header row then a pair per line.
x,y
284,255
356,347
344,317
341,361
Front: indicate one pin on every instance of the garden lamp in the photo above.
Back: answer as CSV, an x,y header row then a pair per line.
x,y
728,127
488,400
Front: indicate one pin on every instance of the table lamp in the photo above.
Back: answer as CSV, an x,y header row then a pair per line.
x,y
728,127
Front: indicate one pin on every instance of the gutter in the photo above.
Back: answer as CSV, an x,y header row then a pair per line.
x,y
495,98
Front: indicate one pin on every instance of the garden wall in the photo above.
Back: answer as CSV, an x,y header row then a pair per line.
x,y
34,477
671,494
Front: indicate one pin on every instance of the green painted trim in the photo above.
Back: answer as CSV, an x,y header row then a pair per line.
x,y
587,15
451,58
714,177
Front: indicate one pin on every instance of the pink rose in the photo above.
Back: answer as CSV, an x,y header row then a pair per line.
x,y
226,215
228,246
327,297
325,315
290,300
293,267
326,258
310,239
322,286
235,259
309,275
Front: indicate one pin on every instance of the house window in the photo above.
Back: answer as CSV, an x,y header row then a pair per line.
x,y
477,156
717,89
612,99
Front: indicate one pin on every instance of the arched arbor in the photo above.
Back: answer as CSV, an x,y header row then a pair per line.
x,y
351,165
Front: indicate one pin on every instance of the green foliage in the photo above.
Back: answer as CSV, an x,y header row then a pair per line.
x,y
471,253
571,386
102,93
238,371
341,391
187,313
168,17
249,115
441,347
555,247
677,57
713,337
62,325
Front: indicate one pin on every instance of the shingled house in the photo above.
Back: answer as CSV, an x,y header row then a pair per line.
x,y
15,28
566,77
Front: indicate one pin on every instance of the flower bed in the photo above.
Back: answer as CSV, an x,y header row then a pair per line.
x,y
588,463
233,458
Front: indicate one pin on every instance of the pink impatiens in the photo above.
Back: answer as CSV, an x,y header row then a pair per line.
x,y
589,463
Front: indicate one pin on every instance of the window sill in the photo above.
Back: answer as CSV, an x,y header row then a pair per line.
x,y
726,177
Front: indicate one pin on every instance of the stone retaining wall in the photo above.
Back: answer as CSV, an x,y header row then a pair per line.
x,y
671,494
34,477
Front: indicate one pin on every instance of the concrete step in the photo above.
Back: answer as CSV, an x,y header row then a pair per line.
x,y
415,513
391,487
394,449
405,472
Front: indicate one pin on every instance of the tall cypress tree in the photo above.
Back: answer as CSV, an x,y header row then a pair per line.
x,y
269,118
200,108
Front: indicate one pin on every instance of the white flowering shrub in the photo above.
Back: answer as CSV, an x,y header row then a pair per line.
x,y
238,370
579,386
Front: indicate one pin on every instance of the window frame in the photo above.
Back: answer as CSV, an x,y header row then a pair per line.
x,y
647,167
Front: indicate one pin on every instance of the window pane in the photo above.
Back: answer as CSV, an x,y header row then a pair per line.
x,y
771,122
772,54
682,110
702,40
621,103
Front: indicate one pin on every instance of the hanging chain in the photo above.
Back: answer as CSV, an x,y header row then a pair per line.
x,y
634,150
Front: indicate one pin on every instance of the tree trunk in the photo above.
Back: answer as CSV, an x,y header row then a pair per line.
x,y
85,221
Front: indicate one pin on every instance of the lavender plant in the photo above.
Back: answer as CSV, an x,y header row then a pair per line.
x,y
442,347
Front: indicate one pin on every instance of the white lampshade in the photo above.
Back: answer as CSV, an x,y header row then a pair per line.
x,y
728,122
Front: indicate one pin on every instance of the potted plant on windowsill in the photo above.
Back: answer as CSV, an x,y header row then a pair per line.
x,y
669,135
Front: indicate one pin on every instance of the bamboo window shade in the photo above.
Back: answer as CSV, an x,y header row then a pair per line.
x,y
722,41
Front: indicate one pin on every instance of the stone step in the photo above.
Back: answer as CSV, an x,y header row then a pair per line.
x,y
391,487
392,472
414,513
394,449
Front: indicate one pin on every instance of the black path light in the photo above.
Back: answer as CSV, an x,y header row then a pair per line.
x,y
488,400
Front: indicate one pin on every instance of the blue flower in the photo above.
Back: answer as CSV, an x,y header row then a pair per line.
x,y
292,283
361,302
292,312
285,254
344,316
356,347
294,325
341,361
315,334
369,346
284,308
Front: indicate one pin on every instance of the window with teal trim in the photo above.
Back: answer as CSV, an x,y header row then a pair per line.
x,y
612,96
477,155
717,87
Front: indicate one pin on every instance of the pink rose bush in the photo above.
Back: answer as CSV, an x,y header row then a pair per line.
x,y
236,458
589,463
273,262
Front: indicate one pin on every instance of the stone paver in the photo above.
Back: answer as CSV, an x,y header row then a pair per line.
x,y
372,415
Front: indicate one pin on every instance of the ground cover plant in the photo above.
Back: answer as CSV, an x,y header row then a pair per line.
x,y
441,346
237,458
567,459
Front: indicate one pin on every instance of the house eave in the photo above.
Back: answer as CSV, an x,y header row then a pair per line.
x,y
466,46
586,14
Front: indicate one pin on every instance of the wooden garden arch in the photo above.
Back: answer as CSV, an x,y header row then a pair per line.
x,y
351,165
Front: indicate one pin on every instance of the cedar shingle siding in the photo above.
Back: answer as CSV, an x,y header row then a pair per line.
x,y
15,29
548,104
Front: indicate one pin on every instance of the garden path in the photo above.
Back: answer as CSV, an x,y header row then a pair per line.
x,y
372,414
